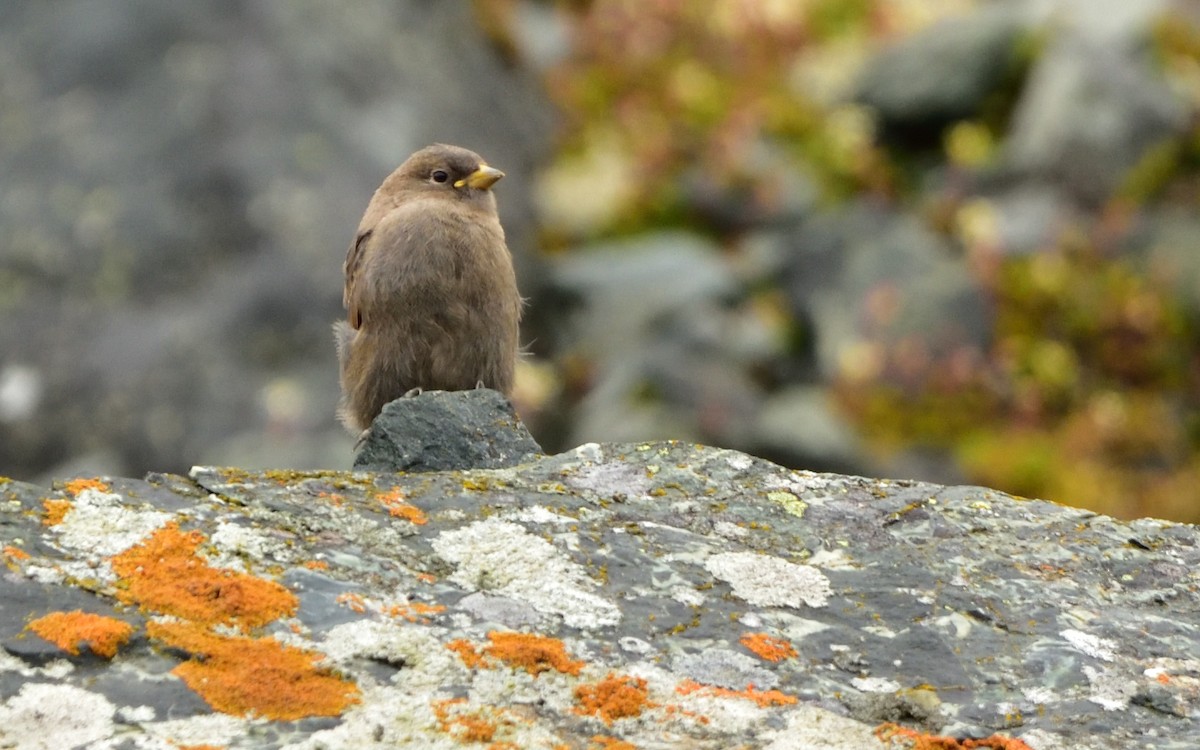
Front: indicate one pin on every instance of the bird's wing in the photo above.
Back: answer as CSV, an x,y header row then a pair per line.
x,y
351,299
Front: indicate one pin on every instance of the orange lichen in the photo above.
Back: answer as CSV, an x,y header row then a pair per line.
x,y
164,574
768,647
426,577
15,553
763,698
316,565
891,733
394,502
56,511
75,486
610,743
334,498
415,611
614,697
466,726
201,747
103,635
255,676
533,653
355,602
470,656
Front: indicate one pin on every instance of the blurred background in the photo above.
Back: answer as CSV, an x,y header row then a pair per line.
x,y
951,240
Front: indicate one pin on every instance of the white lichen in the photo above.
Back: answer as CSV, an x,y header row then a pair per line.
x,y
503,558
99,525
1090,645
766,581
45,716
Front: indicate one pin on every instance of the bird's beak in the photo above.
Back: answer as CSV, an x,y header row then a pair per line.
x,y
481,179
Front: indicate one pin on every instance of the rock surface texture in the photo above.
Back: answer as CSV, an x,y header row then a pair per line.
x,y
662,595
443,430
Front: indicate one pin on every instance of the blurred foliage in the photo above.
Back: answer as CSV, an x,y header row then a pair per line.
x,y
1088,391
671,106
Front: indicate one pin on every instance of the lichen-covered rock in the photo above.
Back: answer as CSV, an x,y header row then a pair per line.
x,y
662,595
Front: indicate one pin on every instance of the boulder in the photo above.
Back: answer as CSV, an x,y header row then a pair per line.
x,y
659,594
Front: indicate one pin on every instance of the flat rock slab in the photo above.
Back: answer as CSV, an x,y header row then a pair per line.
x,y
665,595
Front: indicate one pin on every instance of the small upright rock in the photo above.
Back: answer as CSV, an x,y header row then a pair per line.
x,y
446,430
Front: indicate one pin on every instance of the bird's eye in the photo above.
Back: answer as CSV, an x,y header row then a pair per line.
x,y
439,175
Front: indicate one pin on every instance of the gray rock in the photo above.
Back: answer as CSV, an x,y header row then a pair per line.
x,y
1165,249
675,575
941,74
181,185
446,430
1093,103
844,261
800,426
657,319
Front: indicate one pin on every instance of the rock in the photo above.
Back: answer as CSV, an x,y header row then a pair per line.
x,y
1093,103
866,273
657,319
801,426
661,594
1164,249
181,185
939,75
446,430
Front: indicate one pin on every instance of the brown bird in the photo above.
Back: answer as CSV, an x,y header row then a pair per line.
x,y
431,297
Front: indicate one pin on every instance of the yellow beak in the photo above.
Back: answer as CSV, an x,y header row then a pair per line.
x,y
481,179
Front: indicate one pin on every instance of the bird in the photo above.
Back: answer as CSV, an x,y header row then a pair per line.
x,y
430,291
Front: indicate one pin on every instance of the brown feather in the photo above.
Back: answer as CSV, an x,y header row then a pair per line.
x,y
430,293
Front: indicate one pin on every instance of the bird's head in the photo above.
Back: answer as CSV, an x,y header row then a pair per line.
x,y
448,170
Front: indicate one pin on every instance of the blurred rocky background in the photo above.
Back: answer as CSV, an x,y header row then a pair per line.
x,y
953,240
